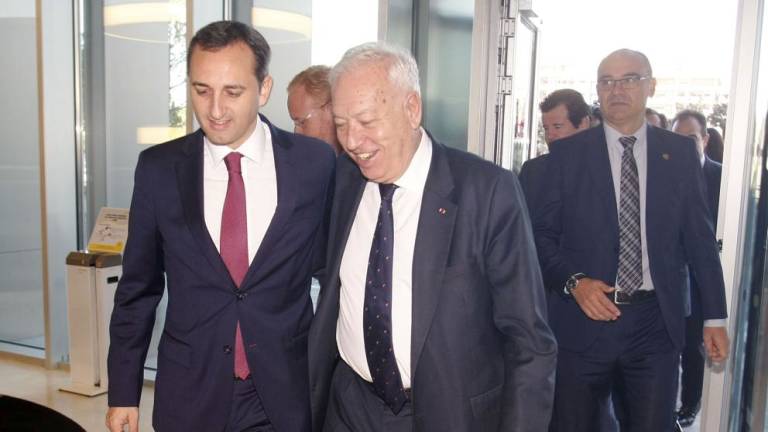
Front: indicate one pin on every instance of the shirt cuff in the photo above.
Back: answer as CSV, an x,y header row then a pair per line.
x,y
714,323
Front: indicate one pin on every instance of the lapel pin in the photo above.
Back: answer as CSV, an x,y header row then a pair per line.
x,y
665,156
441,211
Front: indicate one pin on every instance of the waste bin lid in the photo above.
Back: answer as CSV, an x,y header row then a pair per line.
x,y
94,259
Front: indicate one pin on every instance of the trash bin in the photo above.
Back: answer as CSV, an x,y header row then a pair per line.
x,y
91,283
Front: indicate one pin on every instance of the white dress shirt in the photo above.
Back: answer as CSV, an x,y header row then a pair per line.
x,y
259,177
406,206
640,151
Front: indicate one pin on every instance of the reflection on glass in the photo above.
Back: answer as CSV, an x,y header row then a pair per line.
x,y
749,395
145,94
523,84
21,284
445,64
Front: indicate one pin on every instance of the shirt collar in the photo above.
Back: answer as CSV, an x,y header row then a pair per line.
x,y
415,176
612,135
254,148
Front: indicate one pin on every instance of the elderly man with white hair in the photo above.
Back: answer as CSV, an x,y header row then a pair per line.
x,y
433,316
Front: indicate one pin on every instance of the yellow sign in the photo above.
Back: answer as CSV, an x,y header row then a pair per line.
x,y
110,232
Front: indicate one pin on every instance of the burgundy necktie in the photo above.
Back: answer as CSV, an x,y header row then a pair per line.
x,y
234,244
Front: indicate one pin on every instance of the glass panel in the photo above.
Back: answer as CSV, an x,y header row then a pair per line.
x,y
523,83
21,285
145,94
445,58
750,395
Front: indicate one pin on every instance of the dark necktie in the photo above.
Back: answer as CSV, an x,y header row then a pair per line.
x,y
630,272
233,244
377,309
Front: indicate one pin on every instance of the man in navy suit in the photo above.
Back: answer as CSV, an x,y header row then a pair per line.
x,y
563,113
230,219
693,124
433,314
623,216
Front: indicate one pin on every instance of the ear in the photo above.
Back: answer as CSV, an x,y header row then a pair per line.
x,y
413,109
265,90
705,140
652,87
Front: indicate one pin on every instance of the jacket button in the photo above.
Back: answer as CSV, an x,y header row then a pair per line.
x,y
227,349
241,296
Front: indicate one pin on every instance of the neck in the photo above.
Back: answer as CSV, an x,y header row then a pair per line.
x,y
627,127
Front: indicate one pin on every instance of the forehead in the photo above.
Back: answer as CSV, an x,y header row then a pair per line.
x,y
688,125
233,58
621,64
558,113
362,84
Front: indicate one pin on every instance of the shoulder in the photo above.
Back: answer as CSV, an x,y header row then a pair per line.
x,y
170,151
309,151
535,164
576,143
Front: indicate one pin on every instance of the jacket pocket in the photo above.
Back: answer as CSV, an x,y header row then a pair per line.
x,y
175,350
488,403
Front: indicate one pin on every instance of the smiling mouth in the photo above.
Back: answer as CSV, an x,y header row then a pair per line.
x,y
365,156
218,124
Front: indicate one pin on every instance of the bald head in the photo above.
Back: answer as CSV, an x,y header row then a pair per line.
x,y
625,53
624,84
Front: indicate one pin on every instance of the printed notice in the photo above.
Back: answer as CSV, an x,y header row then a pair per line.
x,y
110,232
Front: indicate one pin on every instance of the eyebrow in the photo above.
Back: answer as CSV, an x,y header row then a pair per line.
x,y
226,87
626,75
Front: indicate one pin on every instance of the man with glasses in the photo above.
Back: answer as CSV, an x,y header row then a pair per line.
x,y
623,214
309,104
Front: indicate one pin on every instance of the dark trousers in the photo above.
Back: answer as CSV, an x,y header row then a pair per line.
x,y
692,357
634,352
247,414
353,407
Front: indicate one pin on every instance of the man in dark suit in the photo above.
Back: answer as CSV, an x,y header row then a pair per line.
x,y
693,124
624,214
229,219
433,314
563,113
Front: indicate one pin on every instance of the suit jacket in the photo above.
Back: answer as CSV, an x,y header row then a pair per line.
x,y
712,173
577,231
169,245
482,355
533,175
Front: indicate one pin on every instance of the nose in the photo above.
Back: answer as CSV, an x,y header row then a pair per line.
x,y
350,136
216,109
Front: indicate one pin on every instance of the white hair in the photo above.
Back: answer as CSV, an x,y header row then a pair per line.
x,y
401,65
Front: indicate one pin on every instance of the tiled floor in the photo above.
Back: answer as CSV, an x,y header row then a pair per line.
x,y
29,380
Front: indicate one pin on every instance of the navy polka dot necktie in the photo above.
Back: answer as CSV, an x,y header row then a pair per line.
x,y
377,309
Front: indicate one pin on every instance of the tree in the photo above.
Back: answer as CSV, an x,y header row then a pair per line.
x,y
718,116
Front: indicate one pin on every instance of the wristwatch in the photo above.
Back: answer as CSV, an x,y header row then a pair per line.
x,y
573,282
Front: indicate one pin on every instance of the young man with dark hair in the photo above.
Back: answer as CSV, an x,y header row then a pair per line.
x,y
230,220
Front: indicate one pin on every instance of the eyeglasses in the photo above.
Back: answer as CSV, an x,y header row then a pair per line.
x,y
300,122
628,83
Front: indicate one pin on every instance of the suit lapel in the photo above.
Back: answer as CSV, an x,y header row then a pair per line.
x,y
658,186
600,169
286,199
189,179
430,255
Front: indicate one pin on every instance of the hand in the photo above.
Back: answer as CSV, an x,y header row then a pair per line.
x,y
716,343
117,417
590,295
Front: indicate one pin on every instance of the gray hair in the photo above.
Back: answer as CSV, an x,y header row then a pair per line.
x,y
401,65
